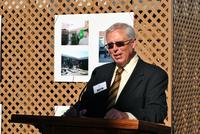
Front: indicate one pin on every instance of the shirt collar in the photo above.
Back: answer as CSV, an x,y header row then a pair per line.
x,y
131,65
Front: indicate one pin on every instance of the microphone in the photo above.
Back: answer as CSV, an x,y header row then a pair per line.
x,y
81,94
74,110
84,89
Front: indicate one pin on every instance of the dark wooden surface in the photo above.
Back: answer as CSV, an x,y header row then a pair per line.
x,y
72,125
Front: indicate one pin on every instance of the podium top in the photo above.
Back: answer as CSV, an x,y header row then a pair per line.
x,y
90,122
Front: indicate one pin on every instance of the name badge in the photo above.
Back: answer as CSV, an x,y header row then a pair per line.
x,y
99,87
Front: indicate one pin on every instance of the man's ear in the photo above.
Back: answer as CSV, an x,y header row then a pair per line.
x,y
133,43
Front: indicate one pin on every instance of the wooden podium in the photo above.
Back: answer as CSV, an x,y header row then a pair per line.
x,y
72,125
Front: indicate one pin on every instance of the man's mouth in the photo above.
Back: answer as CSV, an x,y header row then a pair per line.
x,y
117,56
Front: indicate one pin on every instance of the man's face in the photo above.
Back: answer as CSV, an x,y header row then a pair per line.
x,y
120,54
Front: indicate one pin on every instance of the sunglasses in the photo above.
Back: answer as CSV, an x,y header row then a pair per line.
x,y
118,44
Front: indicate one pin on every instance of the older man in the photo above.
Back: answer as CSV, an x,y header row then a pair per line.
x,y
127,88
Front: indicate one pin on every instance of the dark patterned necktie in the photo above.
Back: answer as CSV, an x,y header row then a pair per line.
x,y
114,89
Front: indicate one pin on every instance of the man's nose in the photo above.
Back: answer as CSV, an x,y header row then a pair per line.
x,y
115,47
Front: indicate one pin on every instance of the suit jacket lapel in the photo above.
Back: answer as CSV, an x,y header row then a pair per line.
x,y
109,74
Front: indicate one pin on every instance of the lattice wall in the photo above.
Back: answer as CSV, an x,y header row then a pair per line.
x,y
153,26
27,85
186,67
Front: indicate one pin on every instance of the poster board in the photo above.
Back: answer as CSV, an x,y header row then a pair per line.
x,y
79,44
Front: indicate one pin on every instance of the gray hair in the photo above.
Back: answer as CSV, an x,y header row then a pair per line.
x,y
130,33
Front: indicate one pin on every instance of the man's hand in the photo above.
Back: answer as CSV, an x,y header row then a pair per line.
x,y
82,112
115,114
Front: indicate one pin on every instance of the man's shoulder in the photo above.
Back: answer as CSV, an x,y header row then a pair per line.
x,y
106,66
104,70
150,67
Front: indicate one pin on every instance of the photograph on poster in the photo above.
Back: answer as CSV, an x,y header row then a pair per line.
x,y
75,33
79,44
74,63
103,53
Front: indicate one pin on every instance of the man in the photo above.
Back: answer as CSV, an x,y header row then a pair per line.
x,y
141,93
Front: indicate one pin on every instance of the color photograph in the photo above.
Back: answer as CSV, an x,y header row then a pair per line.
x,y
75,33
